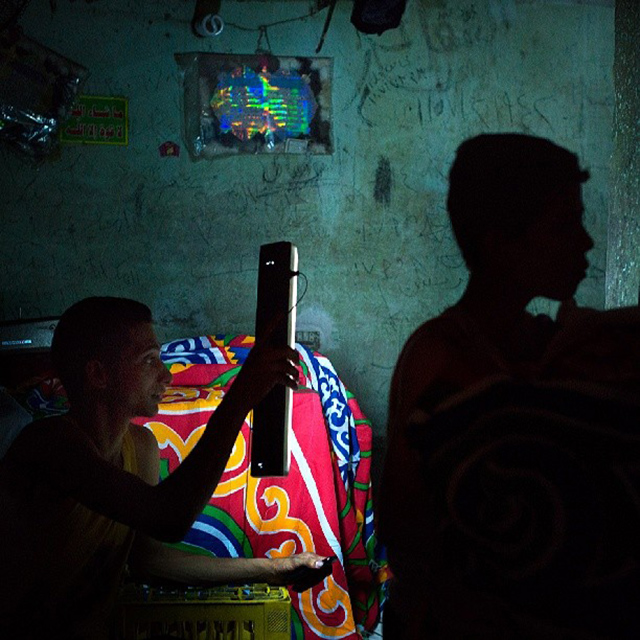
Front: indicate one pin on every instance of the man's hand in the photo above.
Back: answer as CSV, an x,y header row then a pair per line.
x,y
265,366
302,571
570,313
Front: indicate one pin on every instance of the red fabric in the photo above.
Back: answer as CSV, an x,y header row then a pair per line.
x,y
309,510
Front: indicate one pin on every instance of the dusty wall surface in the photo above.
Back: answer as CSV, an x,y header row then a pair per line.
x,y
623,254
369,219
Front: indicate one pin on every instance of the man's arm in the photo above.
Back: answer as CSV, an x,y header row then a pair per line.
x,y
152,559
66,459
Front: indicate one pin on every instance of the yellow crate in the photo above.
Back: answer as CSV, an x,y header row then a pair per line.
x,y
250,612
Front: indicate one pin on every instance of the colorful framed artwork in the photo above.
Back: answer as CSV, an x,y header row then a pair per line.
x,y
256,104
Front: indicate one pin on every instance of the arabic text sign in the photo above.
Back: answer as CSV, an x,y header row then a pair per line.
x,y
97,120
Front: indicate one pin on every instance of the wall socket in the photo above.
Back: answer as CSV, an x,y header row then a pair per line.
x,y
310,339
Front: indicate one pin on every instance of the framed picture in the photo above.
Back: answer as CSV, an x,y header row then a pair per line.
x,y
256,104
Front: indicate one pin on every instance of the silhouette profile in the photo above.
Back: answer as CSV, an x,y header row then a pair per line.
x,y
509,495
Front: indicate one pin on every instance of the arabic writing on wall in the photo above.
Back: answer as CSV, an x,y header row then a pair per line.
x,y
97,120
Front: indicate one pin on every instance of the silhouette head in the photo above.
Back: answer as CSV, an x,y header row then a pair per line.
x,y
502,182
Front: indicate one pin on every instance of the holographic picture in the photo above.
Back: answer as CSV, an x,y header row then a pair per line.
x,y
275,105
256,104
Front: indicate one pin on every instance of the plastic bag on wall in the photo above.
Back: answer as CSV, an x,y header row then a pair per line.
x,y
239,104
37,90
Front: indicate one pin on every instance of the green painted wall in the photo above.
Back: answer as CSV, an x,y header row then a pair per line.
x,y
623,254
369,220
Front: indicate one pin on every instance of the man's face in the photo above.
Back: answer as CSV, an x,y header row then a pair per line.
x,y
139,378
553,250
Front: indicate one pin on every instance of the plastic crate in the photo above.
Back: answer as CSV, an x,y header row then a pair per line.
x,y
249,612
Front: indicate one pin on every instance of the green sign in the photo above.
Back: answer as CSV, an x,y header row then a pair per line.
x,y
97,120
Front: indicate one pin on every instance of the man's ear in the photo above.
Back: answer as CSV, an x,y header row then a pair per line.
x,y
490,246
499,248
96,375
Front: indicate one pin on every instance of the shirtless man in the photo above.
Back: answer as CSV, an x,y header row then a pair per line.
x,y
80,494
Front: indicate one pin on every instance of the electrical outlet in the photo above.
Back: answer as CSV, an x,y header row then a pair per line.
x,y
310,339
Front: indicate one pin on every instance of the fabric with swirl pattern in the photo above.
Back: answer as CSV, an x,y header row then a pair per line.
x,y
534,495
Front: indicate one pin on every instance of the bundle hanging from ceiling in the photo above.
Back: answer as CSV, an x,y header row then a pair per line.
x,y
377,16
10,11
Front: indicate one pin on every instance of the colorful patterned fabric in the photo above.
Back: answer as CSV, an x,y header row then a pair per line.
x,y
323,505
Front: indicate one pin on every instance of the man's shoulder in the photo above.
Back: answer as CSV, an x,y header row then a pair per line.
x,y
434,328
145,449
432,337
425,357
142,438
